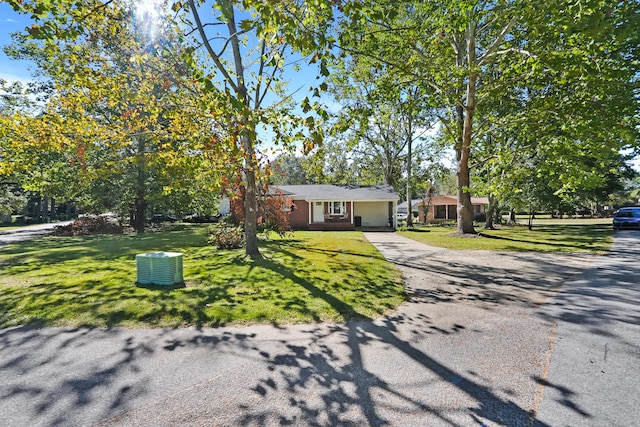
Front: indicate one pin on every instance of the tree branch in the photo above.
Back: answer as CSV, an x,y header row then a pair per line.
x,y
207,45
497,40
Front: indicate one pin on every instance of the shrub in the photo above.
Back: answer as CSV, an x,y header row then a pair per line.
x,y
226,236
88,226
481,217
274,209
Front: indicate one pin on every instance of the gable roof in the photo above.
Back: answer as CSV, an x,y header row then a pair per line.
x,y
414,203
452,200
331,192
479,200
441,200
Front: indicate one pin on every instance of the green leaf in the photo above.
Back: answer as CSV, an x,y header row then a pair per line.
x,y
306,107
247,25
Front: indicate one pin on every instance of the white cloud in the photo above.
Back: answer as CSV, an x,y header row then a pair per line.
x,y
12,78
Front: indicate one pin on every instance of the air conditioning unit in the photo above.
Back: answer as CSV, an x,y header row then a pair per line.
x,y
159,268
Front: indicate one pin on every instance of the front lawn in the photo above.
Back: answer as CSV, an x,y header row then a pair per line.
x,y
576,236
90,281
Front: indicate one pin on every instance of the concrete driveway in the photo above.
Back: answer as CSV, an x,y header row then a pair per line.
x,y
471,346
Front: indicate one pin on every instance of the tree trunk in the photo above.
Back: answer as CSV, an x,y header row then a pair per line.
x,y
250,200
497,215
140,206
464,208
409,195
463,181
132,214
463,151
512,217
140,202
37,211
45,209
490,213
248,132
53,209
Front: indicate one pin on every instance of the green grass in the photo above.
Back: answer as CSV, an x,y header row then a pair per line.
x,y
552,236
90,281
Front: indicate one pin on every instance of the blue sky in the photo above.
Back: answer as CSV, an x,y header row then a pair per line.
x,y
11,22
11,70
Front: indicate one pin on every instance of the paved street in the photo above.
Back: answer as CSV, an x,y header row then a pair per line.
x,y
594,378
28,232
484,339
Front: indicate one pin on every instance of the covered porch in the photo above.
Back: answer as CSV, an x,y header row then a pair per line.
x,y
341,207
351,215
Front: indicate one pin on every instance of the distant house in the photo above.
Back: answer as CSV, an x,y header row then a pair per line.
x,y
224,206
415,204
445,208
340,207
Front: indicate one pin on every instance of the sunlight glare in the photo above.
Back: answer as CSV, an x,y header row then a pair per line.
x,y
148,18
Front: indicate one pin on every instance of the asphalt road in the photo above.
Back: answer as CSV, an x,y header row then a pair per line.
x,y
594,377
27,233
484,339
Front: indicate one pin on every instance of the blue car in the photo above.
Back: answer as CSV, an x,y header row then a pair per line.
x,y
627,218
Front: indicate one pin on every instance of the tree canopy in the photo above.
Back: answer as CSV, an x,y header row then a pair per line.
x,y
235,52
557,59
538,101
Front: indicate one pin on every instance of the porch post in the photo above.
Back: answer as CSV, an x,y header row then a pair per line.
x,y
310,208
394,218
352,212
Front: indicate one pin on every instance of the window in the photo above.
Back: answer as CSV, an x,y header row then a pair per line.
x,y
337,208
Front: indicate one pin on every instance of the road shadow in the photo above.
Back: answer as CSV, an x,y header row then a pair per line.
x,y
606,292
350,393
312,375
366,372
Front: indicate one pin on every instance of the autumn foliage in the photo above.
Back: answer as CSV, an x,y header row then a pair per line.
x,y
273,208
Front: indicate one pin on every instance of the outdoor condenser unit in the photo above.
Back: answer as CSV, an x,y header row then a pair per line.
x,y
159,268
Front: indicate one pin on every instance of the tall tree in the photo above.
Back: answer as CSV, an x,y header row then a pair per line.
x,y
446,46
127,115
568,125
471,52
243,48
248,48
386,120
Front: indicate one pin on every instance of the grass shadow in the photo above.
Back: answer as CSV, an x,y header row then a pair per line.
x,y
90,281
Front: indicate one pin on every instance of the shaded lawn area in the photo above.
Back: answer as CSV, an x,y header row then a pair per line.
x,y
90,281
554,237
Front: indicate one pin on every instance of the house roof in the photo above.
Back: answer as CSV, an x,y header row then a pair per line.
x,y
479,200
444,200
414,203
452,200
326,192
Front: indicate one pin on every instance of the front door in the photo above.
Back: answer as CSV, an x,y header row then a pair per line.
x,y
318,212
